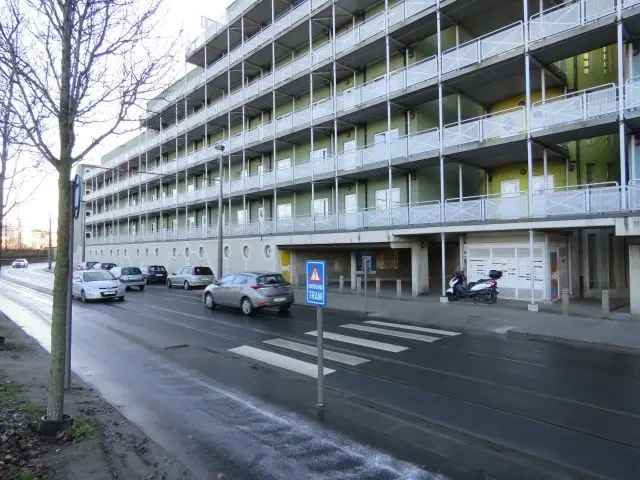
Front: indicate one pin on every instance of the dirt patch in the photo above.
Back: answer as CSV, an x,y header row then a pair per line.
x,y
102,444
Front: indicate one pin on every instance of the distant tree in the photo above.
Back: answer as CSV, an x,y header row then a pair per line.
x,y
78,65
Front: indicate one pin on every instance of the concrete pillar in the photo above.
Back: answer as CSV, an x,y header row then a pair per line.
x,y
341,283
378,286
399,288
353,271
358,284
606,304
293,271
419,269
564,295
634,281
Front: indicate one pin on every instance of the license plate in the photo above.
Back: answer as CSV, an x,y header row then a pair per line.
x,y
158,274
108,294
280,299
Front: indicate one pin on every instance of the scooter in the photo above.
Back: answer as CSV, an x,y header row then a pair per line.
x,y
484,290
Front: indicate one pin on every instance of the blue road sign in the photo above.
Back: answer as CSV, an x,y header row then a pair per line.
x,y
316,284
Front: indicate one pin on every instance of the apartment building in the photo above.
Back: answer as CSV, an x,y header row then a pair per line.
x,y
432,135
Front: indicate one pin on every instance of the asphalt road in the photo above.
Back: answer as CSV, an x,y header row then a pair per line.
x,y
235,394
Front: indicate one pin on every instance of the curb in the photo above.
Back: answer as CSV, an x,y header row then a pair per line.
x,y
37,288
573,342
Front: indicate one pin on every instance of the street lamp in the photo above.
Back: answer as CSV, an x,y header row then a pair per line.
x,y
220,148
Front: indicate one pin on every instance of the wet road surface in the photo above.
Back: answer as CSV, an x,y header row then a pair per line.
x,y
235,394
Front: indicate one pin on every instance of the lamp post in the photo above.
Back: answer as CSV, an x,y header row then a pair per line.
x,y
220,148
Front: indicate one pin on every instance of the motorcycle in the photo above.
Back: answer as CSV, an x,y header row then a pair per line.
x,y
484,290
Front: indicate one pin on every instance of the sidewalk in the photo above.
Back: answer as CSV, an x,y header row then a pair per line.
x,y
617,332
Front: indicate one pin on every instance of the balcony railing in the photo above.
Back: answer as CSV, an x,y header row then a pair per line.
x,y
486,46
574,107
504,124
568,15
574,201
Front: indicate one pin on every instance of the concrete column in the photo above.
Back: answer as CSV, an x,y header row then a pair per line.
x,y
353,271
419,269
634,281
293,270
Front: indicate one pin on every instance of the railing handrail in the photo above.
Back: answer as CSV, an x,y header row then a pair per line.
x,y
518,194
584,186
486,115
482,37
552,8
584,91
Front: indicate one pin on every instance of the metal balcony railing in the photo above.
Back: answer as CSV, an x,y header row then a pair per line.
x,y
503,124
568,15
487,46
574,107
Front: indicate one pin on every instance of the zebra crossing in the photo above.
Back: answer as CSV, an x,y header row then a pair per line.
x,y
388,336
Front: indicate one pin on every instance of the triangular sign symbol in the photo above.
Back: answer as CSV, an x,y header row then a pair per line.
x,y
315,277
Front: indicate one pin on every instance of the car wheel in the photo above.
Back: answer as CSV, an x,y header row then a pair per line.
x,y
121,299
83,297
187,286
246,306
141,287
208,301
284,308
168,283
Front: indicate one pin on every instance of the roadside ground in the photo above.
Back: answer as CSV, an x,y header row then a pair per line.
x,y
506,318
101,444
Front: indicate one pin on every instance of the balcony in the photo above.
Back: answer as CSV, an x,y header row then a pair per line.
x,y
503,124
567,16
484,47
574,107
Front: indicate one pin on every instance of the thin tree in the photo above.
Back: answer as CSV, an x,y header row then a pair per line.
x,y
80,65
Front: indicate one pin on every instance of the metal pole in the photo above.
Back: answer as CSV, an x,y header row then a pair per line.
x,y
67,357
320,346
50,247
220,229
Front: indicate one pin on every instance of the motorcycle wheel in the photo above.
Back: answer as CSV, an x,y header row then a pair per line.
x,y
452,297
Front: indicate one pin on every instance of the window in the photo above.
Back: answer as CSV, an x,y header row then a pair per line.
x,y
240,280
591,169
227,251
173,251
285,163
510,187
321,207
350,203
242,215
245,251
187,252
267,251
157,251
202,271
381,198
261,214
586,60
201,252
284,210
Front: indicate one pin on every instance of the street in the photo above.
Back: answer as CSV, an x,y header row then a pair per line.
x,y
226,392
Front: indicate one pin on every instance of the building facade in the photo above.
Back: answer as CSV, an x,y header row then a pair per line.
x,y
433,135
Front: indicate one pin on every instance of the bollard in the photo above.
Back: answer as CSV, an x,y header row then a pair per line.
x,y
399,288
606,308
358,285
378,287
341,284
564,295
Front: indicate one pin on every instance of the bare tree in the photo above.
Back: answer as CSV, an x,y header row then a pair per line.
x,y
80,65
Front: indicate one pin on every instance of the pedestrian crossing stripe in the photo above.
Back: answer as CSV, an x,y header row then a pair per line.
x,y
281,361
403,326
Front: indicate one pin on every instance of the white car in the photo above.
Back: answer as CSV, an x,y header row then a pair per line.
x,y
129,277
96,285
20,263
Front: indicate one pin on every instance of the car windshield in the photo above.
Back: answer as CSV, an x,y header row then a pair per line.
x,y
202,271
157,269
131,271
272,279
97,276
108,266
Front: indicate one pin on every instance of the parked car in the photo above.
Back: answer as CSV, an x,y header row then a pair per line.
x,y
250,291
103,266
96,285
154,273
20,263
188,277
129,277
86,265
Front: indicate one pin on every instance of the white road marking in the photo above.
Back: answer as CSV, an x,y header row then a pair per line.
x,y
414,328
392,333
388,347
338,357
280,361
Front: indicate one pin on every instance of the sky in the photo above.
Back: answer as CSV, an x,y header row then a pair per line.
x,y
40,195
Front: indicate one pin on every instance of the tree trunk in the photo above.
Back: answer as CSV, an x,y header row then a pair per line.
x,y
55,398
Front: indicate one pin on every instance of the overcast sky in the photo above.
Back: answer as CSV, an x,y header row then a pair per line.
x,y
182,16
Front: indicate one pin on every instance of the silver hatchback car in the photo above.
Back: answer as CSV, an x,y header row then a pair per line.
x,y
188,277
250,291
